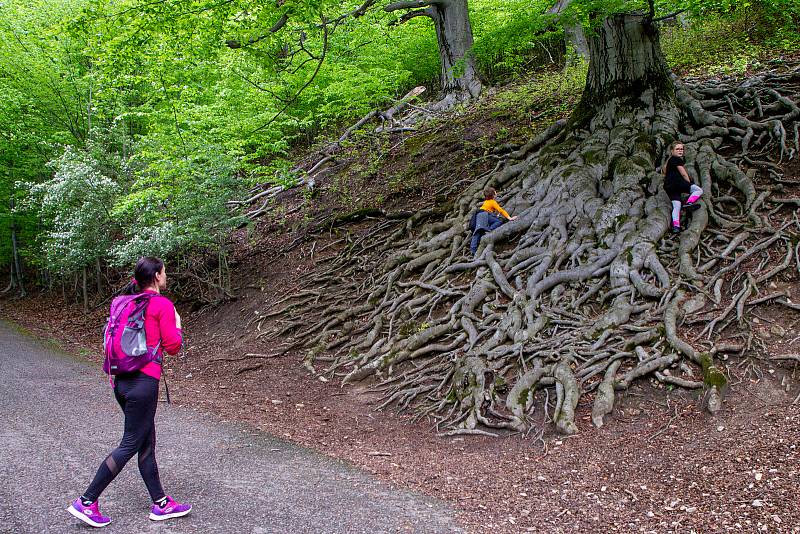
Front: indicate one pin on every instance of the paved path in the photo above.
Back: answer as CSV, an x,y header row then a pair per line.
x,y
58,420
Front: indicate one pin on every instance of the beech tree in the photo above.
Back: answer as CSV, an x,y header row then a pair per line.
x,y
459,77
583,293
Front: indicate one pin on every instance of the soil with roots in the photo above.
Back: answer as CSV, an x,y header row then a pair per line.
x,y
585,292
617,310
662,463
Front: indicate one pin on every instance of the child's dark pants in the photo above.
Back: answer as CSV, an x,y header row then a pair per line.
x,y
486,222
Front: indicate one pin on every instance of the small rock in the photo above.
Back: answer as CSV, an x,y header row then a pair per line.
x,y
777,519
322,378
650,514
758,476
778,330
299,405
276,401
758,503
756,320
189,375
720,428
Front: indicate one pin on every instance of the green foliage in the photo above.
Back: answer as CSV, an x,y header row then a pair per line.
x,y
176,205
735,35
153,115
515,39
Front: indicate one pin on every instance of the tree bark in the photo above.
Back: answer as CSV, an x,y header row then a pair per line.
x,y
459,77
454,36
625,62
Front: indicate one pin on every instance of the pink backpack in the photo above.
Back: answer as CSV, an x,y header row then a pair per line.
x,y
124,339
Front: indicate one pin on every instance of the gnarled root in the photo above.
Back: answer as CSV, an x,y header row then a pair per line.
x,y
584,291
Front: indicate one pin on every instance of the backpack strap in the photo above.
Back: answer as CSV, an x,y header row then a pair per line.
x,y
156,357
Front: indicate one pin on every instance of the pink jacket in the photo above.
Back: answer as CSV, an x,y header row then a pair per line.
x,y
159,325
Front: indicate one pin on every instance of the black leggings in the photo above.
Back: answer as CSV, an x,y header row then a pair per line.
x,y
137,394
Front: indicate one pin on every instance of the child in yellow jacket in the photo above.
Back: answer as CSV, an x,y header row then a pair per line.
x,y
485,219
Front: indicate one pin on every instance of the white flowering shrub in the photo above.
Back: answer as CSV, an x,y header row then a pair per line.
x,y
75,207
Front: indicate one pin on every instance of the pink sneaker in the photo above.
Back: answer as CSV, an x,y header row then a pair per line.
x,y
88,514
169,510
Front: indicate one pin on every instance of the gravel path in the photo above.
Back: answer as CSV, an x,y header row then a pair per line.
x,y
60,420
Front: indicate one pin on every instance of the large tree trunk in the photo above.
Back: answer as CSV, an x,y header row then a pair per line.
x,y
625,63
459,77
454,35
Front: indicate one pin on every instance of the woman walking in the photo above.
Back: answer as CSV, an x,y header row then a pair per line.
x,y
137,394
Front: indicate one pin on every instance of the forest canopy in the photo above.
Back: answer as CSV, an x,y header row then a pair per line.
x,y
126,126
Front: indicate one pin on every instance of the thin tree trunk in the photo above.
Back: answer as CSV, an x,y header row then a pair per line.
x,y
99,276
85,293
17,270
573,33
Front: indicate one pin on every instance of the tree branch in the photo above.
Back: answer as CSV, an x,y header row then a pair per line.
x,y
275,28
325,35
411,4
360,10
672,15
427,12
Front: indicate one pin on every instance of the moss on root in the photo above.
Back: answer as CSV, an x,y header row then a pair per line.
x,y
712,376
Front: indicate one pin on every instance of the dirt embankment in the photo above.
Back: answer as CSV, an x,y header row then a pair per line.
x,y
660,464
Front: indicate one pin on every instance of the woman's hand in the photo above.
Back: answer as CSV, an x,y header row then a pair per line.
x,y
514,218
177,319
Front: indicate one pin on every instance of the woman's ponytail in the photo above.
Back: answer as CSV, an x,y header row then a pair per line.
x,y
131,288
144,275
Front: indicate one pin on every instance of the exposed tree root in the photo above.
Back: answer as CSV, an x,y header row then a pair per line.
x,y
584,292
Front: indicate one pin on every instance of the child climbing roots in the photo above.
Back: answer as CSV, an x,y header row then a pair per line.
x,y
485,220
676,183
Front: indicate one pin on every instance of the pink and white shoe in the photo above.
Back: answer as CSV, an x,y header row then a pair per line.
x,y
88,514
169,510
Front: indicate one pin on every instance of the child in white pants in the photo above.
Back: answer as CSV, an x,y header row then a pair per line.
x,y
676,183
